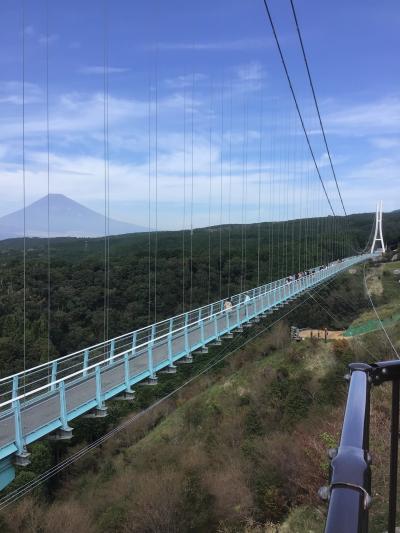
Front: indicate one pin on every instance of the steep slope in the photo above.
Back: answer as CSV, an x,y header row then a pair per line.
x,y
243,449
67,218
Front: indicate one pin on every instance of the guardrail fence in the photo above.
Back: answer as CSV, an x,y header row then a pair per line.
x,y
349,489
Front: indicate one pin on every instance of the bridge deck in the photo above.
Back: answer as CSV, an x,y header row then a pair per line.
x,y
45,398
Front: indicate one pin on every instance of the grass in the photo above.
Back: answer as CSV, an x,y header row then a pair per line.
x,y
242,449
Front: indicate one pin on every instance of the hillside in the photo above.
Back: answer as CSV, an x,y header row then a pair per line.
x,y
78,272
67,218
242,449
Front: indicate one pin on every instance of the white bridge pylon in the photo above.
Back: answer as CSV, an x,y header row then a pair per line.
x,y
378,236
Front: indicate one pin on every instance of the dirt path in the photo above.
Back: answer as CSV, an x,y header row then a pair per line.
x,y
306,334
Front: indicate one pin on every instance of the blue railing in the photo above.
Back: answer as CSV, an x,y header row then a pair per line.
x,y
45,398
349,489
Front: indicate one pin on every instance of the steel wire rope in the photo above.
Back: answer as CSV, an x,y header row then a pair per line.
x,y
48,189
329,282
230,187
259,186
184,197
221,188
378,316
106,168
243,193
272,183
108,173
156,182
149,131
316,103
292,211
191,190
280,227
23,191
307,261
283,61
246,156
18,493
210,189
286,192
298,168
293,217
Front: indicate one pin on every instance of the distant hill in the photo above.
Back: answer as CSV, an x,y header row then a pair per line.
x,y
67,219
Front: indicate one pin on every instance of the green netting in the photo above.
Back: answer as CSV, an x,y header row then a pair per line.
x,y
370,325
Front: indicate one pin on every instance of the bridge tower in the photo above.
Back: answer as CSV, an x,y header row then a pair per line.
x,y
378,236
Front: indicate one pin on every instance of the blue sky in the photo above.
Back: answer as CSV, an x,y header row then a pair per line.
x,y
217,61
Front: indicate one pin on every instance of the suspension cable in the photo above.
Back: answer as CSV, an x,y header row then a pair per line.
x,y
48,188
184,198
230,188
149,203
105,148
378,316
192,189
24,188
156,184
316,103
297,105
259,187
210,191
221,189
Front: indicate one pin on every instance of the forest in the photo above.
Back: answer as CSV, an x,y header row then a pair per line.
x,y
151,276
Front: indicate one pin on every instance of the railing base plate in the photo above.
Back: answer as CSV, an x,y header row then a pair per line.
x,y
61,434
168,370
100,412
22,459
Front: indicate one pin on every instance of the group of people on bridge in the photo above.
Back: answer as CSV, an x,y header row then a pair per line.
x,y
228,306
310,271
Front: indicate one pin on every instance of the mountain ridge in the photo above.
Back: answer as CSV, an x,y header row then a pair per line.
x,y
68,218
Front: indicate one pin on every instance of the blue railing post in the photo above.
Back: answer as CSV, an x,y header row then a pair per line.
x,y
99,396
53,374
246,308
186,334
150,358
19,440
63,406
216,326
150,352
228,325
85,361
238,322
126,373
134,341
170,352
112,351
15,387
203,341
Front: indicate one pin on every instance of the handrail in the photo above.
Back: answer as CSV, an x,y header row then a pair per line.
x,y
349,489
280,282
52,379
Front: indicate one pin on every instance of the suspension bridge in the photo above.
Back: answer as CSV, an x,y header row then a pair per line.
x,y
45,398
42,400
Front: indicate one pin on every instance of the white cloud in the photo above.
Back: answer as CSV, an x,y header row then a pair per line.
x,y
99,69
235,45
11,92
369,118
252,71
186,80
386,143
29,31
51,39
